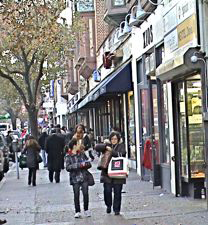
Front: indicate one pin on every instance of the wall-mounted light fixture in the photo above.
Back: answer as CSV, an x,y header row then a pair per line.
x,y
159,3
120,33
137,14
127,28
116,40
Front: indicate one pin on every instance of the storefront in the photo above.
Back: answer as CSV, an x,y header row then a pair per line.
x,y
106,105
186,93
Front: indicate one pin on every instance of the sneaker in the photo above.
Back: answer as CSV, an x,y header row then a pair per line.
x,y
77,215
87,213
117,213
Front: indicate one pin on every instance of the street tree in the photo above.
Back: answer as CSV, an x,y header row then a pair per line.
x,y
10,101
34,48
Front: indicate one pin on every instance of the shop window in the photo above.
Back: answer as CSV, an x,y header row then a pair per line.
x,y
165,126
139,71
196,129
118,3
131,126
191,138
159,55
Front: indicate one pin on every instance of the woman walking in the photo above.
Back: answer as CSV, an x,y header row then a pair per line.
x,y
78,164
112,184
32,150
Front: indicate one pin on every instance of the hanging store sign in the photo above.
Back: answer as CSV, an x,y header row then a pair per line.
x,y
51,88
180,28
187,31
178,13
96,76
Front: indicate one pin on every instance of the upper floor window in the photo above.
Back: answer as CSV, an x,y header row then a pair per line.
x,y
85,5
117,3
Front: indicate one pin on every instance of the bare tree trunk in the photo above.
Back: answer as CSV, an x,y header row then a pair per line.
x,y
33,114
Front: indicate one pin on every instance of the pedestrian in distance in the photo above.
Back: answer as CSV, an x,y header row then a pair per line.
x,y
92,143
86,140
41,141
78,164
69,135
112,184
32,149
54,147
9,140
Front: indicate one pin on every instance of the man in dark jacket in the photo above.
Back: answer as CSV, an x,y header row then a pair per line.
x,y
54,147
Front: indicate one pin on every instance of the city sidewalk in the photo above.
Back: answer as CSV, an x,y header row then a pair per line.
x,y
52,204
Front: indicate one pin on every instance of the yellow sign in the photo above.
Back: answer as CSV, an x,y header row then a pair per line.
x,y
187,31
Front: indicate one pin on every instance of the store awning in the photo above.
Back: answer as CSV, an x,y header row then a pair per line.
x,y
118,81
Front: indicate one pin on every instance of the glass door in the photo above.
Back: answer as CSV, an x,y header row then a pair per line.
x,y
145,138
189,131
155,136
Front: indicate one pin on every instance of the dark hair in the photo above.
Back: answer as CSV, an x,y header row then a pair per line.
x,y
115,129
115,133
80,125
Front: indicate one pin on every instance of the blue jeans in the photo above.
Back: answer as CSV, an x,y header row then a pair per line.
x,y
44,157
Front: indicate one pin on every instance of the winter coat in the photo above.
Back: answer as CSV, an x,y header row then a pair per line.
x,y
77,167
42,140
117,150
54,146
32,156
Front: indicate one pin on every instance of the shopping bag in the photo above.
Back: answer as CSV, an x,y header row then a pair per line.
x,y
118,168
23,161
104,160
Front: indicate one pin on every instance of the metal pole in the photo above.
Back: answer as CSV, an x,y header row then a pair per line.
x,y
17,165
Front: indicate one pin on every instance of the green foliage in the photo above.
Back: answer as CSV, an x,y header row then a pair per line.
x,y
33,46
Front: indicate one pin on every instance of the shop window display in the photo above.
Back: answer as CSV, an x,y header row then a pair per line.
x,y
191,128
131,127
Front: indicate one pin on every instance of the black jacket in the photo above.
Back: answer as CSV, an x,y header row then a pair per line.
x,y
117,150
32,156
42,140
54,147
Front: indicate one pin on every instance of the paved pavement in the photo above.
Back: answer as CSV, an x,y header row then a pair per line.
x,y
52,204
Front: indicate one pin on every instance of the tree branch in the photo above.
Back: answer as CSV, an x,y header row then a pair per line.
x,y
40,74
13,82
32,60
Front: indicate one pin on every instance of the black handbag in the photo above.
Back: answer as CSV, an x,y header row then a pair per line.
x,y
23,161
90,178
40,160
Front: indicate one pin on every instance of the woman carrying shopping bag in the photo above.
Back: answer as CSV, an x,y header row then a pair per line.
x,y
78,164
112,184
32,150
